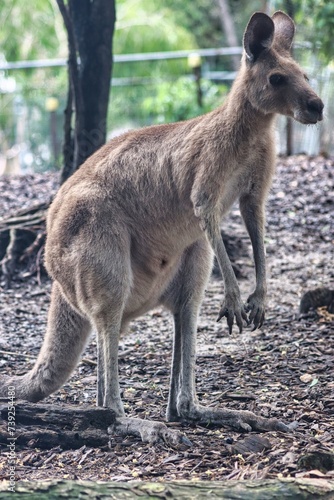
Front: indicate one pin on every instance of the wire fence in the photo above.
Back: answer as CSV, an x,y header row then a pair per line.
x,y
33,96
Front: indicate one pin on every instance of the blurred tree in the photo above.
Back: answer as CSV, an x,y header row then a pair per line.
x,y
206,20
229,29
323,12
203,18
146,26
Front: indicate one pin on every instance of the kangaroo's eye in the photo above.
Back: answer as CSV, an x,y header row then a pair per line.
x,y
277,79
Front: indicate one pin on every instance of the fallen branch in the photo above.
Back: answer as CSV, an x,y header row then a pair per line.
x,y
48,426
302,488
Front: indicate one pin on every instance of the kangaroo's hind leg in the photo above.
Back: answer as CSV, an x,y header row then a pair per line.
x,y
108,323
65,339
105,293
184,299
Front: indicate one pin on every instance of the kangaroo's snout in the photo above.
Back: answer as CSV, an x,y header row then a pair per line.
x,y
309,110
315,108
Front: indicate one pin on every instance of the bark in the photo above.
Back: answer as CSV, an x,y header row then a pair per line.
x,y
48,426
68,145
298,489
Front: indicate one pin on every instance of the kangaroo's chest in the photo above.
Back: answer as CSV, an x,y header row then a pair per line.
x,y
251,167
234,186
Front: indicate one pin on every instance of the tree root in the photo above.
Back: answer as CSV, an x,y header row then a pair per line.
x,y
22,239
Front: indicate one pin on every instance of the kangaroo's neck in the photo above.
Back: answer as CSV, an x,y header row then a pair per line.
x,y
243,119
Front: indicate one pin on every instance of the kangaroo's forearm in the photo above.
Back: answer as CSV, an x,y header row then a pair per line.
x,y
232,306
217,244
252,212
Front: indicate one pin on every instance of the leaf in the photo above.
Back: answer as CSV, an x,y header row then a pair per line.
x,y
307,377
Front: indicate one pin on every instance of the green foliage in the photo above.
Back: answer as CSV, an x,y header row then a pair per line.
x,y
162,102
149,26
315,23
177,100
201,18
7,122
31,30
125,110
322,13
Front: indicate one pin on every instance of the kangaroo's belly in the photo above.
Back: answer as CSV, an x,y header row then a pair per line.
x,y
154,264
147,289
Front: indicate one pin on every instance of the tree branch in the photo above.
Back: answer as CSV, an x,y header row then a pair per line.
x,y
229,30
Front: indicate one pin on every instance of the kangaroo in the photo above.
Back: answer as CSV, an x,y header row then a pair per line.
x,y
137,226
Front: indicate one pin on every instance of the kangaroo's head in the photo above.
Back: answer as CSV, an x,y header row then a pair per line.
x,y
275,82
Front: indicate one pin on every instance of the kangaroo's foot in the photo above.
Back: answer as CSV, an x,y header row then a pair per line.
x,y
29,387
16,387
149,431
240,420
6,386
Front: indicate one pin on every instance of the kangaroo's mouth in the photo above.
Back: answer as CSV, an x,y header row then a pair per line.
x,y
310,111
308,118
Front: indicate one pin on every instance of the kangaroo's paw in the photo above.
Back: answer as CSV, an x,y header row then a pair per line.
x,y
232,308
256,308
241,420
149,431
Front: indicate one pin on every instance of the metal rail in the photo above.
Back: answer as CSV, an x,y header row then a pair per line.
x,y
120,58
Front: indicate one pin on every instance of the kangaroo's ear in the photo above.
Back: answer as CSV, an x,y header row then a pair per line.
x,y
284,30
258,36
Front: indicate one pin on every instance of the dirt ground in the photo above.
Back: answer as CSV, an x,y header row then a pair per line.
x,y
284,370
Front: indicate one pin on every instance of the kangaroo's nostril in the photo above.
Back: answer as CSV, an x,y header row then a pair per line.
x,y
315,105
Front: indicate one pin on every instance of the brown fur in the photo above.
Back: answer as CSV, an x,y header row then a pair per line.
x,y
136,226
319,297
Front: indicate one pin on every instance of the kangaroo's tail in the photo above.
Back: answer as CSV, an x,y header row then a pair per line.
x,y
65,339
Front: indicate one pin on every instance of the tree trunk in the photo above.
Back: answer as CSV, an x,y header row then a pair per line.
x,y
90,27
290,10
266,6
229,30
298,489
